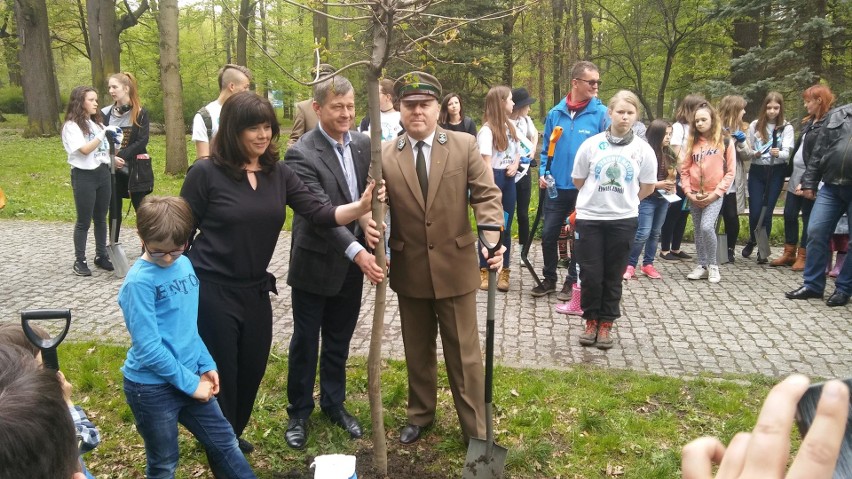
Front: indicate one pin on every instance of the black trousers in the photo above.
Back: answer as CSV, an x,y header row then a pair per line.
x,y
334,318
603,248
136,198
523,189
236,325
731,219
675,225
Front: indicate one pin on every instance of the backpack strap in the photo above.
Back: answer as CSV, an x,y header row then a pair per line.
x,y
208,121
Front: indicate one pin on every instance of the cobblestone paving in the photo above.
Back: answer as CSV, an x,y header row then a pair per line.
x,y
671,326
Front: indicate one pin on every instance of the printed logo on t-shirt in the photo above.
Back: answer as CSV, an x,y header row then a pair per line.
x,y
618,172
603,145
177,286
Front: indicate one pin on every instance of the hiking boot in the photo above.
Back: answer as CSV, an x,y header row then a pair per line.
x,y
650,271
565,293
483,279
81,268
605,340
787,258
747,249
590,335
713,274
629,273
547,286
503,280
801,256
104,263
700,272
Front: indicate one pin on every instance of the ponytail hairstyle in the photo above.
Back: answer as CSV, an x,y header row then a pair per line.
x,y
127,79
715,137
496,117
76,113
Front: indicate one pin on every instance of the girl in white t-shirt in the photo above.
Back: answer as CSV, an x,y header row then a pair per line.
x,y
499,147
83,136
613,172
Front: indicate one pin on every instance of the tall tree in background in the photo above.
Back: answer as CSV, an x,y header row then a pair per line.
x,y
166,14
320,28
10,45
41,91
104,27
246,16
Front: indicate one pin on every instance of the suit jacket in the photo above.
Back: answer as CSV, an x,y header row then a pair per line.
x,y
304,120
433,252
317,260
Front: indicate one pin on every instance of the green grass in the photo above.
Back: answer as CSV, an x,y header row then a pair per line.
x,y
567,424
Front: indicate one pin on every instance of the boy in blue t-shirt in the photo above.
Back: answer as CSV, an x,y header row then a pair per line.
x,y
169,376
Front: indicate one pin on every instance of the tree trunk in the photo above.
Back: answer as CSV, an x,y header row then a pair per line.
x,y
588,33
41,91
558,8
815,45
508,51
320,23
170,81
228,36
103,41
10,54
81,11
246,14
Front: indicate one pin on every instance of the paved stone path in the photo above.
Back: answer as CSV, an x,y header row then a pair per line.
x,y
670,326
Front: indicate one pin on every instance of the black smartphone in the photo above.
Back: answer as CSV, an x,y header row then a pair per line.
x,y
805,412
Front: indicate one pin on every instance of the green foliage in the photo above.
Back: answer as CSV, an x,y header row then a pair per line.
x,y
11,99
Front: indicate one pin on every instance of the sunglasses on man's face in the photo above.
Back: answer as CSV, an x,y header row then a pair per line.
x,y
592,83
174,254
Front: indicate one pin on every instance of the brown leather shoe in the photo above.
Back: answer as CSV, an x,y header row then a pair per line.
x,y
801,256
503,280
483,279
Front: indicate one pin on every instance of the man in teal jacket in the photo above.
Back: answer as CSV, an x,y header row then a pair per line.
x,y
581,115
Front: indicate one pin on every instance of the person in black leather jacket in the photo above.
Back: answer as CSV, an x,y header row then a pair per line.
x,y
831,164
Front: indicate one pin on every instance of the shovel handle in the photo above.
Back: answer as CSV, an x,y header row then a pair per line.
x,y
492,292
46,345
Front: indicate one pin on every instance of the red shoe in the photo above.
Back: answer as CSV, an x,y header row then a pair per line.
x,y
629,273
651,272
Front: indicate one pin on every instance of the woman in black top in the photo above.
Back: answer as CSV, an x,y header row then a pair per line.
x,y
452,115
238,197
126,112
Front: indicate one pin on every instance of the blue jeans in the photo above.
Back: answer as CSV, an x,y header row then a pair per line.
x,y
652,215
763,179
510,197
831,202
158,408
555,212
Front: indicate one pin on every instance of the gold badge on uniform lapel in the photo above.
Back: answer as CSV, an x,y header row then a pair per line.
x,y
442,138
400,144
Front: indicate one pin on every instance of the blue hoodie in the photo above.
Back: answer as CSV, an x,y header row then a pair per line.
x,y
587,123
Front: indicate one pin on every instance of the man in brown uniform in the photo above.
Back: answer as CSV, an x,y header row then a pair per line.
x,y
434,268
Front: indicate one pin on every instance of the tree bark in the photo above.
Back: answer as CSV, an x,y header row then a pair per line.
x,y
10,54
558,8
246,14
320,26
41,91
103,41
170,81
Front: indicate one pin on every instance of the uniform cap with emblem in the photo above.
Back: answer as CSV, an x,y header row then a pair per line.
x,y
417,86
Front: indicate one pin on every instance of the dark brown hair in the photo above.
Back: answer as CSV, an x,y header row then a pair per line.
x,y
762,121
38,438
13,334
241,111
444,115
76,113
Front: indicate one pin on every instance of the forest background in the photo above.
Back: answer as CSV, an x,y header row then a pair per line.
x,y
660,49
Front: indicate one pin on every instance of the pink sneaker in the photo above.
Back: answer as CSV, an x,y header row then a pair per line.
x,y
629,273
651,272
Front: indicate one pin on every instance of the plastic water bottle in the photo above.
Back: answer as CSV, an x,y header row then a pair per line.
x,y
551,185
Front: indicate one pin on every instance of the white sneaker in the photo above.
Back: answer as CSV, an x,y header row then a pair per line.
x,y
700,272
713,275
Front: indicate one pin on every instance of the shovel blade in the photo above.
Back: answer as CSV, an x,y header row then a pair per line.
x,y
762,243
479,464
118,259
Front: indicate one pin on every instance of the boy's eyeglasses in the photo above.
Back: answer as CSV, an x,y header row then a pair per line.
x,y
174,254
592,83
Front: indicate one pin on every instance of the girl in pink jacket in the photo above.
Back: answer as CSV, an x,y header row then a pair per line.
x,y
706,174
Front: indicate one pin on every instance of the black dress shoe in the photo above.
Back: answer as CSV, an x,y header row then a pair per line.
x,y
410,434
342,418
803,293
837,299
297,433
747,249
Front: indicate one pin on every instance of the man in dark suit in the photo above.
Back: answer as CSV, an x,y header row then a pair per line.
x,y
327,266
434,268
